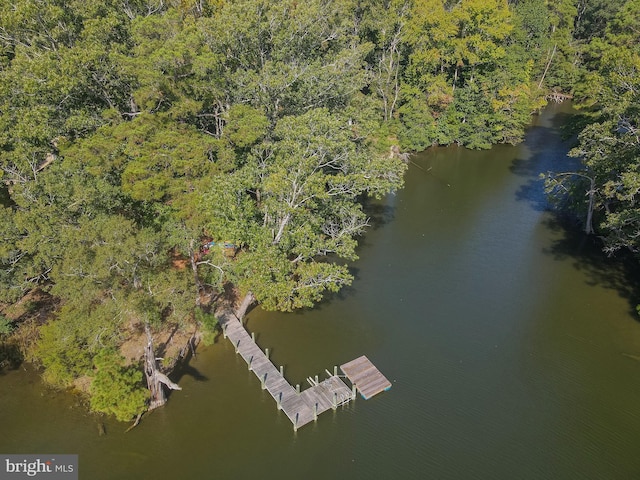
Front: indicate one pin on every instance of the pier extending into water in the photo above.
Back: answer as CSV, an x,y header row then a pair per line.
x,y
301,407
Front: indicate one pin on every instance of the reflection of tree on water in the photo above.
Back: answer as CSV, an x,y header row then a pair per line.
x,y
619,272
560,185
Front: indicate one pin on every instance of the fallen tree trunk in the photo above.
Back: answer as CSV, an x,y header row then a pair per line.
x,y
162,378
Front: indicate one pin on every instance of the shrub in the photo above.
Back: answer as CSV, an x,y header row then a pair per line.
x,y
5,325
209,324
117,389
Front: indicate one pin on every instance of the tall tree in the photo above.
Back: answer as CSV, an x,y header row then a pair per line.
x,y
295,203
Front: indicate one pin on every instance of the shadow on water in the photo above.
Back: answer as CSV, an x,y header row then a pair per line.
x,y
547,151
328,298
379,214
185,368
191,372
10,357
620,272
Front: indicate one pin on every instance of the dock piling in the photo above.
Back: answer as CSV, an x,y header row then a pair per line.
x,y
302,407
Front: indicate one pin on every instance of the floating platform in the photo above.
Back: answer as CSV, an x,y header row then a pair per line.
x,y
365,377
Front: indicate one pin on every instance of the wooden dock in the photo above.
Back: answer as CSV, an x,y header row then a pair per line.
x,y
365,377
300,407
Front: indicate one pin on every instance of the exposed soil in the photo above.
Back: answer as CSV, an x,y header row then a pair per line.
x,y
172,343
36,305
26,316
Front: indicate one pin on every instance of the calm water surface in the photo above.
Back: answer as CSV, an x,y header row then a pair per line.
x,y
511,344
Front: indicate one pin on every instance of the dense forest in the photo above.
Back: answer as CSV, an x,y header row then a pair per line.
x,y
156,154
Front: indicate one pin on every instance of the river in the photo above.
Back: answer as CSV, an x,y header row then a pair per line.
x,y
511,343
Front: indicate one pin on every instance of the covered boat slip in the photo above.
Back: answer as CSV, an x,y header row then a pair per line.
x,y
365,377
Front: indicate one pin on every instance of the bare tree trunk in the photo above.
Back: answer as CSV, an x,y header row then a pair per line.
x,y
247,301
194,267
157,396
155,378
135,424
588,228
544,74
283,224
455,79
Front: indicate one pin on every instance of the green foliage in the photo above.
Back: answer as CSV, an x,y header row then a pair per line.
x,y
563,51
5,325
284,58
245,125
67,344
470,72
209,324
594,16
115,389
58,78
531,35
419,125
295,201
459,41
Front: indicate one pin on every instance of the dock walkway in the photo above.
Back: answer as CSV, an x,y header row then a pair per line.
x,y
300,407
